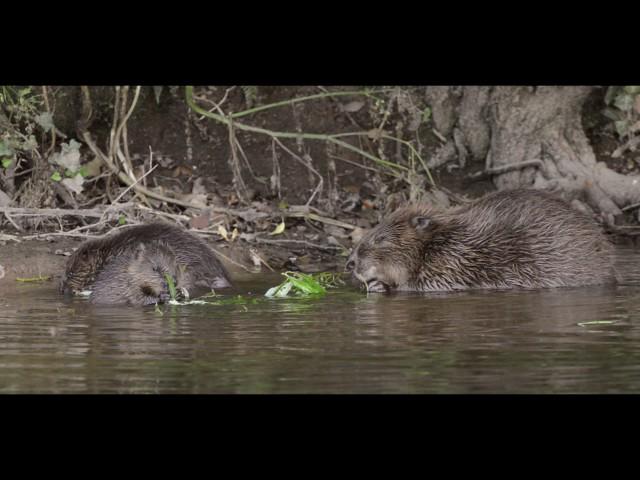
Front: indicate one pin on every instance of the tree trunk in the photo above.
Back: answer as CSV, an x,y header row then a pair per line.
x,y
531,137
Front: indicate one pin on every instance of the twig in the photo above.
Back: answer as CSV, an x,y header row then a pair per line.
x,y
318,218
351,162
506,168
304,99
295,135
230,260
216,106
53,131
15,225
439,135
51,212
300,242
306,164
630,144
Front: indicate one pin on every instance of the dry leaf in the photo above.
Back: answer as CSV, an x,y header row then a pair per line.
x,y
74,184
234,234
223,232
279,229
181,170
352,107
374,133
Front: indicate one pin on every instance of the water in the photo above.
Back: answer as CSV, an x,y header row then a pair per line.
x,y
582,340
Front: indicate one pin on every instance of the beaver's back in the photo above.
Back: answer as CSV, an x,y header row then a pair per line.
x,y
191,252
537,240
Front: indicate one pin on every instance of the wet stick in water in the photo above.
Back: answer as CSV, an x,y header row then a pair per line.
x,y
40,278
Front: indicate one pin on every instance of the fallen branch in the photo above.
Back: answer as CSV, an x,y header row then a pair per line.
x,y
55,212
319,218
250,239
489,172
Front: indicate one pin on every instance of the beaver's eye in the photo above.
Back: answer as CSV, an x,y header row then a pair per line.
x,y
379,240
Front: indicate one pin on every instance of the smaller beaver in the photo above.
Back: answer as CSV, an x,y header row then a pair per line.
x,y
508,239
138,277
171,247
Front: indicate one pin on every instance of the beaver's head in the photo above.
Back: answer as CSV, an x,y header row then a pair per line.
x,y
81,269
139,277
149,270
390,255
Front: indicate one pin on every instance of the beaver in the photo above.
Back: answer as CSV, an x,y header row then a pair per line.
x,y
138,276
172,246
509,239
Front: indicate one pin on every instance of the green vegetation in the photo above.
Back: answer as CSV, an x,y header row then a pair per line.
x,y
305,284
171,285
40,278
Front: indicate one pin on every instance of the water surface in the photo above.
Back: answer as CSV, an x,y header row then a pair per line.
x,y
581,340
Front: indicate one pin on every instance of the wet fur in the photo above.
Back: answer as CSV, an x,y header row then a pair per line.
x,y
137,277
510,239
201,268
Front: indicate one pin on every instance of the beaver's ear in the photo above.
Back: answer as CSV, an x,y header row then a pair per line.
x,y
421,224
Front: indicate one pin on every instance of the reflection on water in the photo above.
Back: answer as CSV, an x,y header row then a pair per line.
x,y
566,340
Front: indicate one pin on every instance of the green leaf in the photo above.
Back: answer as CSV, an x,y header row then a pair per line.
x,y
30,143
611,94
6,162
622,126
624,102
612,114
122,220
68,157
279,229
305,283
69,173
426,115
83,171
171,285
5,150
45,120
56,177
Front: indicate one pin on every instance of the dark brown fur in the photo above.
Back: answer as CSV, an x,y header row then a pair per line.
x,y
138,277
201,269
510,239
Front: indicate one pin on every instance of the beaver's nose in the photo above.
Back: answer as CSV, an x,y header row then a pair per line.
x,y
351,264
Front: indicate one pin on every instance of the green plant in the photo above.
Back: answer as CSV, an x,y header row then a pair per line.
x,y
623,107
305,284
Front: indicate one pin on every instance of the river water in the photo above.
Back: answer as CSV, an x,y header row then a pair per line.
x,y
580,340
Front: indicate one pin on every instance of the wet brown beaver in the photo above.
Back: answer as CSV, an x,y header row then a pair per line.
x,y
509,239
138,276
171,249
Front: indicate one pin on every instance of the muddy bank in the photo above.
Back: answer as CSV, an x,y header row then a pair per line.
x,y
44,259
